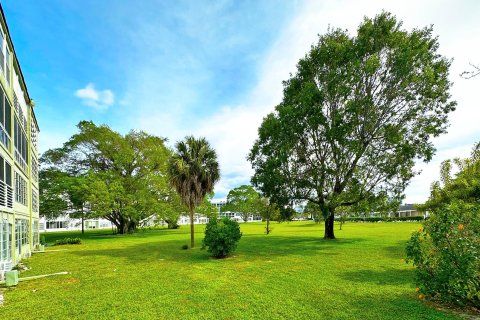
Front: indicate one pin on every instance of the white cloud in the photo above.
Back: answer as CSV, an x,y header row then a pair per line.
x,y
97,99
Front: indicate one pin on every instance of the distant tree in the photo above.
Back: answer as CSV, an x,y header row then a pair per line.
x,y
193,171
53,201
354,118
207,208
287,213
78,190
120,178
313,211
242,200
464,185
269,211
172,210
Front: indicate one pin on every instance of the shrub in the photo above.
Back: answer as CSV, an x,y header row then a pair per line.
x,y
221,237
446,253
43,240
68,241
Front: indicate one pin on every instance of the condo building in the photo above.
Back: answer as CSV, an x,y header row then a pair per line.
x,y
18,159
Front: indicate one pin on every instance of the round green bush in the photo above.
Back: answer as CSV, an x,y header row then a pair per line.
x,y
221,237
446,253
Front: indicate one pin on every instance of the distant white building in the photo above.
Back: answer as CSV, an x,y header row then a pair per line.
x,y
65,223
219,203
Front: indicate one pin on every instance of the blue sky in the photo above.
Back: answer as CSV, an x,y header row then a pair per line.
x,y
210,68
185,55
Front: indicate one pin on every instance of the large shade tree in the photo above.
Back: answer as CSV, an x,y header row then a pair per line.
x,y
193,171
354,118
122,178
243,200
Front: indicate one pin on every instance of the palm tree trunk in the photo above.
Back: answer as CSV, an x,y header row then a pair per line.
x,y
192,230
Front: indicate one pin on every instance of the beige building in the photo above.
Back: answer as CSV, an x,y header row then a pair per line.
x,y
18,159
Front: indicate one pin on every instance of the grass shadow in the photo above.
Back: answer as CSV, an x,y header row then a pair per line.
x,y
250,246
392,277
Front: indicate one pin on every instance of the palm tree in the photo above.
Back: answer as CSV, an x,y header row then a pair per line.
x,y
193,171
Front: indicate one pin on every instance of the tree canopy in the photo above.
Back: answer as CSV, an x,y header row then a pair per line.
x,y
243,200
354,118
120,178
463,185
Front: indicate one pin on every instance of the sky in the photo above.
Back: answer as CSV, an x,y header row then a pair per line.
x,y
212,68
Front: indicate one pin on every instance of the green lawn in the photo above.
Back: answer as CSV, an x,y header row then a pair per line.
x,y
289,274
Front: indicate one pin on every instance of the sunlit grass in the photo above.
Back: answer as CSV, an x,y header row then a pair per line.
x,y
289,274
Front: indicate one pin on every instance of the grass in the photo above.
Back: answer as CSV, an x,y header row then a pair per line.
x,y
289,274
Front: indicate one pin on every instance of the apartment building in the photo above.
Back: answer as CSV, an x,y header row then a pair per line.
x,y
18,159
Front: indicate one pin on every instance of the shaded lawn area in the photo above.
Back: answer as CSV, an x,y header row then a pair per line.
x,y
289,274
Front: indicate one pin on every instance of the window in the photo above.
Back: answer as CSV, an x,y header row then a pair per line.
x,y
34,169
2,57
36,237
5,120
34,201
21,233
7,65
21,145
56,224
5,240
6,189
20,189
18,108
34,135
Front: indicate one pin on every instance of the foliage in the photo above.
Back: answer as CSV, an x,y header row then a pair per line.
x,y
193,171
383,219
465,185
120,178
243,200
446,252
53,202
313,211
287,213
269,211
354,118
171,210
221,237
67,241
207,208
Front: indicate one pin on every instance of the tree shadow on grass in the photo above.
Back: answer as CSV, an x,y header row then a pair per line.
x,y
396,251
399,307
389,276
254,246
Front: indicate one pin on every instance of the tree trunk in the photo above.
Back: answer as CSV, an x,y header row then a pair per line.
x,y
268,226
329,221
83,222
192,230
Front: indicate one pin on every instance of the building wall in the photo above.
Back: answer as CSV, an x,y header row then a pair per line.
x,y
65,223
19,194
